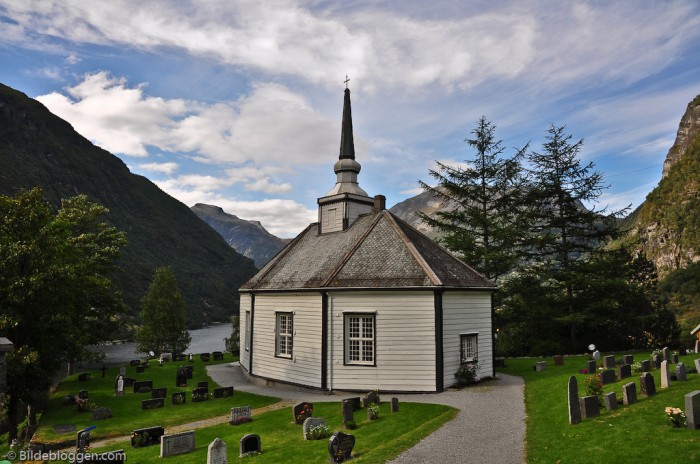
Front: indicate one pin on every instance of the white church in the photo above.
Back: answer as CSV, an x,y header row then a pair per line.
x,y
361,300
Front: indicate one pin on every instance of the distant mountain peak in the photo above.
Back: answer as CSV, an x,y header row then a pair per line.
x,y
688,129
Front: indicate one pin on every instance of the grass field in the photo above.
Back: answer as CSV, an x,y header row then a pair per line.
x,y
630,434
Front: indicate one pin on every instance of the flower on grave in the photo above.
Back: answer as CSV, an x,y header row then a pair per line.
x,y
594,386
676,417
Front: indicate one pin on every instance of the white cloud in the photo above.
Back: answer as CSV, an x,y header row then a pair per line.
x,y
72,59
163,168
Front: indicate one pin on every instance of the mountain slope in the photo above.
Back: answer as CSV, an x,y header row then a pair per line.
x,y
247,237
40,149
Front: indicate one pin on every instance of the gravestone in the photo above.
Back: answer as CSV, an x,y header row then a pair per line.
x,y
340,446
540,366
217,355
665,375
166,357
610,401
697,365
692,409
646,384
181,377
101,413
250,444
628,359
624,371
204,357
574,405
179,398
558,360
674,358
348,411
301,411
629,393
356,402
119,385
697,346
592,367
140,369
240,415
311,422
369,398
223,392
83,439
681,372
134,362
153,403
146,437
394,404
609,362
656,361
190,371
596,355
590,406
122,371
129,382
216,452
176,443
646,365
159,392
190,357
200,394
607,376
83,394
203,385
143,386
83,377
108,457
666,353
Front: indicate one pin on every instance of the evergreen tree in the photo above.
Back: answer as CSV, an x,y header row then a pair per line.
x,y
233,343
163,327
486,227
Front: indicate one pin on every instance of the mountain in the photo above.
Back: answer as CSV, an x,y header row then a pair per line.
x,y
425,203
39,149
666,227
247,237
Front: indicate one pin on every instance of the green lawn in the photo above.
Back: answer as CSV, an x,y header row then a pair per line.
x,y
635,433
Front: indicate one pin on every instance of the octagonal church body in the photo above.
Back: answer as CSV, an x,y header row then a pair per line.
x,y
361,300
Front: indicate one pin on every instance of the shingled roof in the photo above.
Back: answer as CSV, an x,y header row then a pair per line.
x,y
376,251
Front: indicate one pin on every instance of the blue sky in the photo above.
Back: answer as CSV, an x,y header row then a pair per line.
x,y
239,103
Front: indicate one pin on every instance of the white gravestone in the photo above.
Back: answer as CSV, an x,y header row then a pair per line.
x,y
177,443
216,453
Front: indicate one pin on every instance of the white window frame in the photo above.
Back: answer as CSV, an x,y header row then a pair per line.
x,y
247,330
284,334
360,339
469,347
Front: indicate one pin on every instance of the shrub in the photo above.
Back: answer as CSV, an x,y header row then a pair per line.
x,y
467,374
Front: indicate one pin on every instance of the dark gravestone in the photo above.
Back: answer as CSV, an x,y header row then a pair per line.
x,y
656,361
646,384
223,392
134,362
609,362
681,372
629,393
200,394
574,405
108,457
628,359
592,368
153,403
143,386
146,437
190,371
369,398
203,385
204,357
607,376
181,377
83,394
500,362
250,444
240,415
646,365
179,398
610,401
394,405
348,411
590,406
558,360
83,377
340,446
674,358
301,411
159,392
217,355
692,409
624,371
101,413
356,402
140,369
83,440
129,382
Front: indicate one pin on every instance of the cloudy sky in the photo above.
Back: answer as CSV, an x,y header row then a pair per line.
x,y
239,103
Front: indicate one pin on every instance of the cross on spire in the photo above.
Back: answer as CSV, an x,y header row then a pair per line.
x,y
346,81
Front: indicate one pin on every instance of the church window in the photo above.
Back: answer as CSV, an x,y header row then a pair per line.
x,y
360,339
284,332
469,348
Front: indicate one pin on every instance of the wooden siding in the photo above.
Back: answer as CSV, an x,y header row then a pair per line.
x,y
356,209
405,341
246,299
466,312
332,217
305,365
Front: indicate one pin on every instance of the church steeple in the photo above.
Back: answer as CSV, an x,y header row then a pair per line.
x,y
346,200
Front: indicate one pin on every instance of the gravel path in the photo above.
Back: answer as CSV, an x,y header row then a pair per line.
x,y
490,427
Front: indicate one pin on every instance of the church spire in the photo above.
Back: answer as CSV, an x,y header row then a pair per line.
x,y
347,144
